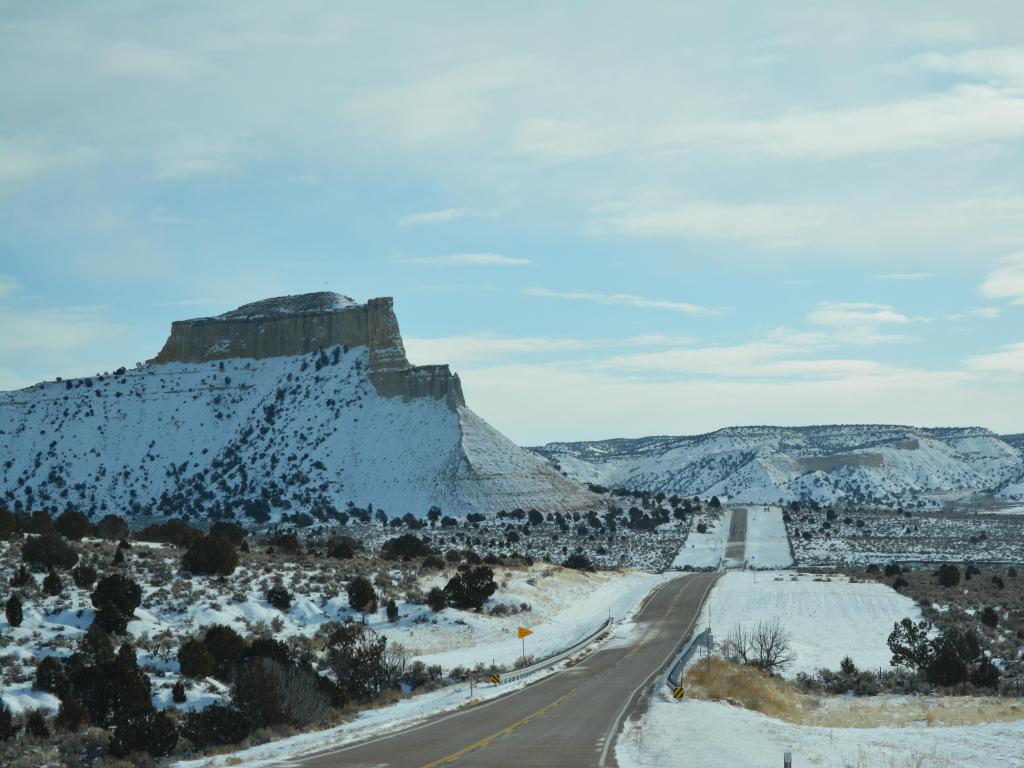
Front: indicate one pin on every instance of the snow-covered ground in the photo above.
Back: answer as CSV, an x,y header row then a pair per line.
x,y
829,617
767,544
705,550
719,735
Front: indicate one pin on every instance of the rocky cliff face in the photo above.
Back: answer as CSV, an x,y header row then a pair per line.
x,y
288,409
298,325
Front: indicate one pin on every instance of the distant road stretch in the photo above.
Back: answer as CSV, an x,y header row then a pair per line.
x,y
568,719
736,548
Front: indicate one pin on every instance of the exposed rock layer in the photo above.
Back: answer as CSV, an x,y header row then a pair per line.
x,y
298,325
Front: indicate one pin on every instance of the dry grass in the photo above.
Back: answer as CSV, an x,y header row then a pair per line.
x,y
717,679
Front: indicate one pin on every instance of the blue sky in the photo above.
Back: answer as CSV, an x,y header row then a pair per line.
x,y
611,219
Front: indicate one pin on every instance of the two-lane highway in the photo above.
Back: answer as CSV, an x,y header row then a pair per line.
x,y
568,719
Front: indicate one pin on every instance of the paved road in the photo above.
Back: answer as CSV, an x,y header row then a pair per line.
x,y
736,548
564,720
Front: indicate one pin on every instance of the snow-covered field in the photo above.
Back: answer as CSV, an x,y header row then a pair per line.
x,y
718,735
767,544
829,617
705,550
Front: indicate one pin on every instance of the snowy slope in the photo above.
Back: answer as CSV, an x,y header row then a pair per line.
x,y
262,438
875,464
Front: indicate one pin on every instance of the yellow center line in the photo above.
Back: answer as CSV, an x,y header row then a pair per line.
x,y
504,731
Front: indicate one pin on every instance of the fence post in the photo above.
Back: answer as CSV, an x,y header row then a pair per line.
x,y
787,760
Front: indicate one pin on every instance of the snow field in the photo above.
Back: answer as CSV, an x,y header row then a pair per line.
x,y
705,550
712,734
767,543
828,617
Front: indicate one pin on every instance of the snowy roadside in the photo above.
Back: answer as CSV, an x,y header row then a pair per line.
x,y
415,710
713,734
767,543
705,550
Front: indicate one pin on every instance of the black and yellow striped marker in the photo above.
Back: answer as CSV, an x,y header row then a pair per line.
x,y
495,678
677,693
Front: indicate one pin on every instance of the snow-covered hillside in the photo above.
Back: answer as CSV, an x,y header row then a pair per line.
x,y
261,438
872,464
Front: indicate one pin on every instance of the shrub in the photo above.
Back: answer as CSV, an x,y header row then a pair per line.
x,y
178,693
578,561
286,542
71,715
21,577
268,692
51,584
175,531
216,725
51,676
893,569
210,555
269,648
949,575
361,596
84,576
899,583
115,598
227,648
437,599
847,667
702,527
391,608
8,523
111,688
405,547
362,661
279,597
343,548
151,732
471,588
7,727
432,563
72,524
13,611
989,617
946,666
233,532
48,551
35,724
986,674
909,644
112,528
194,660
453,556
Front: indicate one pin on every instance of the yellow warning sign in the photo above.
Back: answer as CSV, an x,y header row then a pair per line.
x,y
677,693
495,678
523,632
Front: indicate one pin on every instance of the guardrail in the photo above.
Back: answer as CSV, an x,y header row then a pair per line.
x,y
519,674
704,638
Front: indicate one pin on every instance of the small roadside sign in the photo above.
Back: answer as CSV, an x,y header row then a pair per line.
x,y
523,632
495,678
677,693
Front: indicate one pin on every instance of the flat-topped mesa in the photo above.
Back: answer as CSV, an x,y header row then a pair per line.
x,y
299,325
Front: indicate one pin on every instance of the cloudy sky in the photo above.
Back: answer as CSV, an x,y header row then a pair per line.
x,y
611,219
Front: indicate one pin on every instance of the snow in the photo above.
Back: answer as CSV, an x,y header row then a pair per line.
x,y
716,734
705,550
884,464
21,698
306,436
767,543
828,617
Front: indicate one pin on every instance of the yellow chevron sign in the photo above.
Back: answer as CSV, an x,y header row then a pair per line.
x,y
495,678
677,693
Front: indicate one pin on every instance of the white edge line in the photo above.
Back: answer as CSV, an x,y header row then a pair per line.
x,y
609,738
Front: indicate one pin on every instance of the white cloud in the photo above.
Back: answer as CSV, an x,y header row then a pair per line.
x,y
1006,281
1009,359
999,64
553,141
771,225
471,349
906,276
21,159
986,313
132,59
467,260
53,330
859,322
9,285
624,299
438,217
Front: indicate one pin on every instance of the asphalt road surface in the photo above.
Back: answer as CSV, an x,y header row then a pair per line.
x,y
736,547
568,719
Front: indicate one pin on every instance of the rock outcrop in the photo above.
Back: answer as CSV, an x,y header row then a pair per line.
x,y
297,325
286,410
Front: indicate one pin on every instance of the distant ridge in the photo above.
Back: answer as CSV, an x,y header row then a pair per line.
x,y
889,465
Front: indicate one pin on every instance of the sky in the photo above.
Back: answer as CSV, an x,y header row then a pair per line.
x,y
611,219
